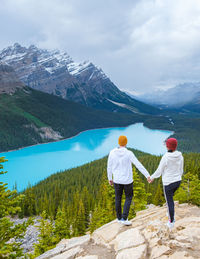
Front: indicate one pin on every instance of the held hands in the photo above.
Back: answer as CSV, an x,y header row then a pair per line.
x,y
111,182
149,179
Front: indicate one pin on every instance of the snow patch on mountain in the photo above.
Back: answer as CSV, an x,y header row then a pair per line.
x,y
77,68
49,60
125,106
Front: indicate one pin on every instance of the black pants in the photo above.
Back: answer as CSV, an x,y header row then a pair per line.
x,y
169,191
128,189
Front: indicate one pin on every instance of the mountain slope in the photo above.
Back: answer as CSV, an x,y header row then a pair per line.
x,y
31,117
55,72
9,81
194,105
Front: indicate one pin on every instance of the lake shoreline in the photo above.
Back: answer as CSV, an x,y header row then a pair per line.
x,y
17,149
79,134
35,163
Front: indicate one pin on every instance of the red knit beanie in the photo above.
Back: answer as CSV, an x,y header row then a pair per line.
x,y
171,143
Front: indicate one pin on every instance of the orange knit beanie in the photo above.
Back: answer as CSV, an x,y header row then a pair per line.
x,y
122,141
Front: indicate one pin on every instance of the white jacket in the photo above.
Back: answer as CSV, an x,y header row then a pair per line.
x,y
170,167
120,166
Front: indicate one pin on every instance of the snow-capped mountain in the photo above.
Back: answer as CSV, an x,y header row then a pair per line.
x,y
175,97
56,73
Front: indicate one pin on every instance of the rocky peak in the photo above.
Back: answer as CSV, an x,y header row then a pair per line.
x,y
32,48
18,56
9,82
55,72
14,51
148,237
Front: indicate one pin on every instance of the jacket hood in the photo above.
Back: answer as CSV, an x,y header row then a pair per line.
x,y
120,151
174,155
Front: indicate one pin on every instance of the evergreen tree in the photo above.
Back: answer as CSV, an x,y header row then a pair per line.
x,y
46,204
159,198
28,207
47,240
74,209
87,203
80,220
189,190
9,205
139,195
104,210
96,220
62,226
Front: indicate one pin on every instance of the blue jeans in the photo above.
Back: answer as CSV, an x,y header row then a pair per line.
x,y
128,189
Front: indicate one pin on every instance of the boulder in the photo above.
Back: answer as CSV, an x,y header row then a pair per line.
x,y
107,233
157,251
65,245
133,253
70,254
129,238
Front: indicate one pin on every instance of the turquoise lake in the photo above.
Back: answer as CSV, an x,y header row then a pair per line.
x,y
32,164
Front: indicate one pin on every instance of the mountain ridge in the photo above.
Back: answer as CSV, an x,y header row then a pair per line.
x,y
177,97
56,73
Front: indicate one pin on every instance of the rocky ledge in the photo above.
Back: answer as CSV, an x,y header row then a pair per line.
x,y
148,237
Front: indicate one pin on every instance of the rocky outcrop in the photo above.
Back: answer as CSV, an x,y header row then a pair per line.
x,y
46,133
9,82
148,237
31,236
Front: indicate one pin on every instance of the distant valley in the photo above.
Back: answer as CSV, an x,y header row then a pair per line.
x,y
183,97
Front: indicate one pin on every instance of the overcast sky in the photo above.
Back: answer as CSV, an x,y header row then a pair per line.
x,y
139,44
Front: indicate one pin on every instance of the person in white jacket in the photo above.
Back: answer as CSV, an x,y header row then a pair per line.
x,y
120,173
171,169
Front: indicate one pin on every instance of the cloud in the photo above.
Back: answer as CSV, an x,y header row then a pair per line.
x,y
137,43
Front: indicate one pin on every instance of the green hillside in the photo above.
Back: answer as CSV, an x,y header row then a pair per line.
x,y
25,113
28,114
186,128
